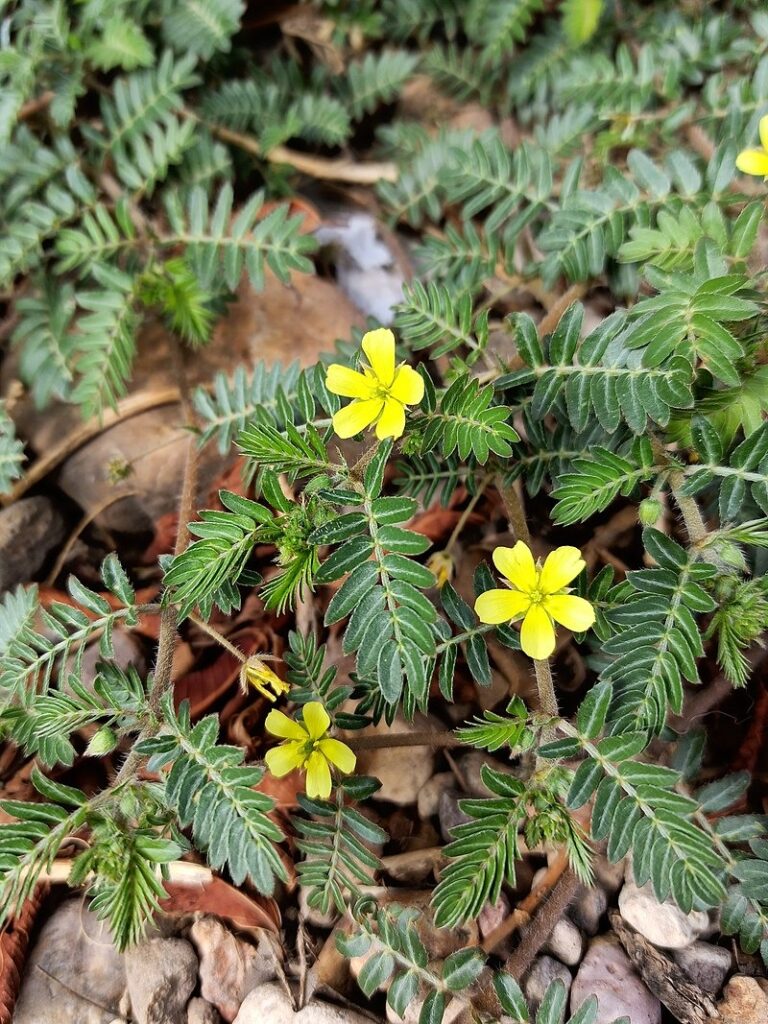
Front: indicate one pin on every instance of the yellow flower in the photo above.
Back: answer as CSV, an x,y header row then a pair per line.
x,y
308,747
539,595
259,675
441,564
381,392
755,161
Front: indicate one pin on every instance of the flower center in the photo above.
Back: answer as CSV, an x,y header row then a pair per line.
x,y
536,596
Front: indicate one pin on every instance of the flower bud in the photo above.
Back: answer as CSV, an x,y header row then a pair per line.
x,y
102,742
649,510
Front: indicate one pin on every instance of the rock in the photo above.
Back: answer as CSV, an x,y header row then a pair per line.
x,y
229,967
128,650
162,975
450,813
565,942
493,914
609,876
201,1012
402,771
428,800
706,965
73,973
607,973
744,1001
588,908
269,1004
312,914
29,530
663,924
544,971
456,1012
470,767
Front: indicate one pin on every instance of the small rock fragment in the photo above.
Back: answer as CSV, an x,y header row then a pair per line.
x,y
544,971
450,813
402,771
565,942
663,924
706,965
201,1012
161,975
29,530
606,972
269,1004
229,967
428,800
744,1002
588,908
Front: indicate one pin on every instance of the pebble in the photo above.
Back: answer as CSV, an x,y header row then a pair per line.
x,y
706,965
606,972
201,1012
565,942
588,908
229,967
428,800
744,1002
29,530
161,975
544,971
663,924
270,1004
402,771
73,972
450,814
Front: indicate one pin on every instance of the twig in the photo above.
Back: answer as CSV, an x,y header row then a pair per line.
x,y
323,168
128,407
462,521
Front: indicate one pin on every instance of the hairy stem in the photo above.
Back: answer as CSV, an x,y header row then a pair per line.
x,y
514,509
428,738
547,696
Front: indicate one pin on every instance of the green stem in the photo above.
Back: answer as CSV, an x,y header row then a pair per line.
x,y
547,696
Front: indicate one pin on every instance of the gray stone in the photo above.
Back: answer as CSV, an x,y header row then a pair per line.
x,y
201,1012
450,813
428,800
162,975
269,1004
706,965
29,530
663,924
565,942
588,908
543,972
606,972
229,967
402,771
73,973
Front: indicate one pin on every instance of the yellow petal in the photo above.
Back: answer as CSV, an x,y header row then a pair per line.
x,y
562,565
356,417
408,385
281,725
349,383
318,776
762,130
537,637
391,423
338,753
496,606
753,161
517,565
316,719
283,759
379,348
573,612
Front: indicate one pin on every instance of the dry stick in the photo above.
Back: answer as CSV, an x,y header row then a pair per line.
x,y
338,169
129,407
523,912
85,521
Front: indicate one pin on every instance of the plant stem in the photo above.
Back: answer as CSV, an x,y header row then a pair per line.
x,y
547,696
217,636
428,738
466,514
514,509
690,511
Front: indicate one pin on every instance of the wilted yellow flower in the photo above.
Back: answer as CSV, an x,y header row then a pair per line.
x,y
308,747
539,595
380,393
755,161
268,683
441,564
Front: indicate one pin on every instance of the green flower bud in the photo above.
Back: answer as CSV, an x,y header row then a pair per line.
x,y
649,511
102,742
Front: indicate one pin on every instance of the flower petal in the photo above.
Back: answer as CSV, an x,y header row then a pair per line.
x,y
562,565
496,606
391,423
357,416
408,385
753,161
537,637
281,725
517,565
341,380
572,612
762,129
283,759
316,719
318,776
379,347
338,753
